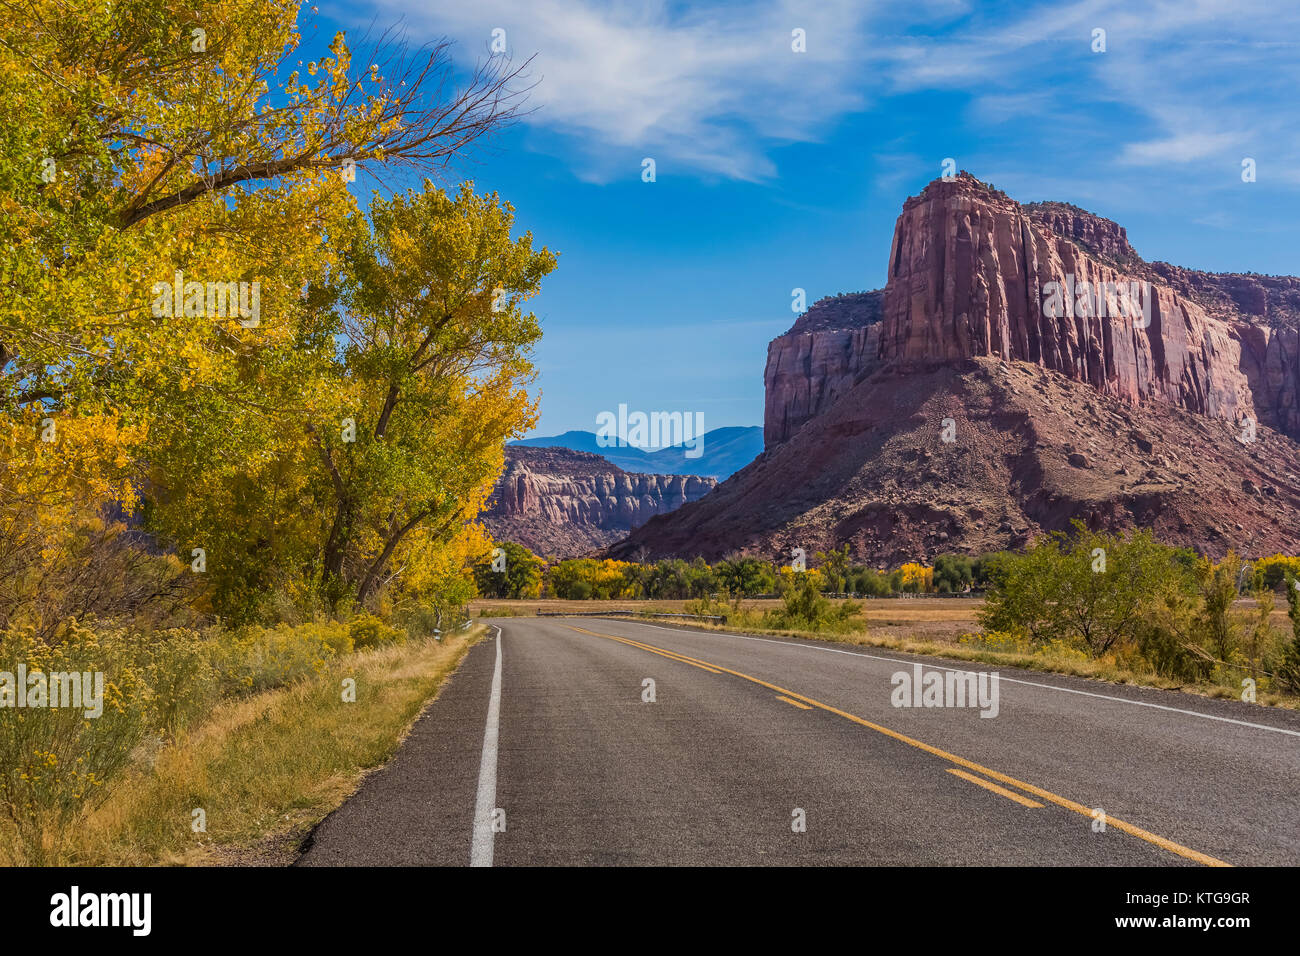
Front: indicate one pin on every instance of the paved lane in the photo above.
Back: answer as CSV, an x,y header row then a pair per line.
x,y
746,737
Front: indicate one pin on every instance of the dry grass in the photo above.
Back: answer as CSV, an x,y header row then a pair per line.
x,y
267,768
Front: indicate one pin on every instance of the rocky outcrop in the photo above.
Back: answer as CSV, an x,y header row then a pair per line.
x,y
1031,451
974,274
1071,378
829,348
1271,300
563,503
1100,238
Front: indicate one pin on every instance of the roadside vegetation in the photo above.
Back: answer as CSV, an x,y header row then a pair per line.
x,y
525,575
1116,607
1147,607
247,425
220,750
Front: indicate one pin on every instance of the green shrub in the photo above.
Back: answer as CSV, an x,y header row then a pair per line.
x,y
807,609
1288,667
1085,588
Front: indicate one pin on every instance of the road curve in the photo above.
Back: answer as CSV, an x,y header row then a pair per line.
x,y
759,751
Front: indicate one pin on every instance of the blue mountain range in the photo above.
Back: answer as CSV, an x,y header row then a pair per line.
x,y
726,451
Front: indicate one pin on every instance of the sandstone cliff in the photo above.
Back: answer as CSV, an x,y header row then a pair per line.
x,y
1031,451
827,349
970,272
1122,403
563,503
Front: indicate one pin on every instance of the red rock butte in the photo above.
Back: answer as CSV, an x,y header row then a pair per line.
x,y
967,272
1092,411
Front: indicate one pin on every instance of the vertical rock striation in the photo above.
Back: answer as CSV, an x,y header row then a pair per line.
x,y
972,274
829,348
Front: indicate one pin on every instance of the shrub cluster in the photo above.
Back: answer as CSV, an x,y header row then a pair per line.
x,y
1147,606
57,761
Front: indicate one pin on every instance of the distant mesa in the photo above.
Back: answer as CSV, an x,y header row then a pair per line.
x,y
724,451
562,503
1186,422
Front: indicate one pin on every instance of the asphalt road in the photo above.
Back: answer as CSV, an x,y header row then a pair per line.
x,y
541,750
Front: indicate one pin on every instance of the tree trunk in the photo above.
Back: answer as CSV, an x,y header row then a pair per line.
x,y
377,566
390,402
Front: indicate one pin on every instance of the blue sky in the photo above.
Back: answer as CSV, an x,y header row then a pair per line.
x,y
778,170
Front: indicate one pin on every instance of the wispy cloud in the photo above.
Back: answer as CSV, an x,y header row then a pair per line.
x,y
707,89
714,88
1196,81
1182,147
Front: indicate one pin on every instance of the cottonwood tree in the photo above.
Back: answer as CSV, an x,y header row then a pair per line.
x,y
132,149
142,139
834,566
520,578
433,372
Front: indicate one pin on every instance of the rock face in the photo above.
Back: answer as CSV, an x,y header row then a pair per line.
x,y
1100,238
1031,451
971,273
1082,381
563,503
829,347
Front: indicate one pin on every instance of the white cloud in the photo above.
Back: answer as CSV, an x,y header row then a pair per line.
x,y
710,90
1181,148
1179,83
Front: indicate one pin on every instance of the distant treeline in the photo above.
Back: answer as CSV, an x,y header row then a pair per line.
x,y
1126,599
525,575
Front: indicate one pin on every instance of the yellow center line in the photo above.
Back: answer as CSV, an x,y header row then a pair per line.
x,y
1009,794
1130,829
794,702
671,655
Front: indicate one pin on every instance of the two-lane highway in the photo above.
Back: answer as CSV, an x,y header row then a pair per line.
x,y
606,741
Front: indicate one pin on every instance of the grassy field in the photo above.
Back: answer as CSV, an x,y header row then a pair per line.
x,y
265,769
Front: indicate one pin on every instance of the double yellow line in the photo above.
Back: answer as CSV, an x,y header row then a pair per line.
x,y
796,698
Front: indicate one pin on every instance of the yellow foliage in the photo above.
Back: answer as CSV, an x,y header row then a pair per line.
x,y
917,578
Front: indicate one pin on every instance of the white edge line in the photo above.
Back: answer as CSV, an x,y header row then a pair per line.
x,y
1009,680
480,851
